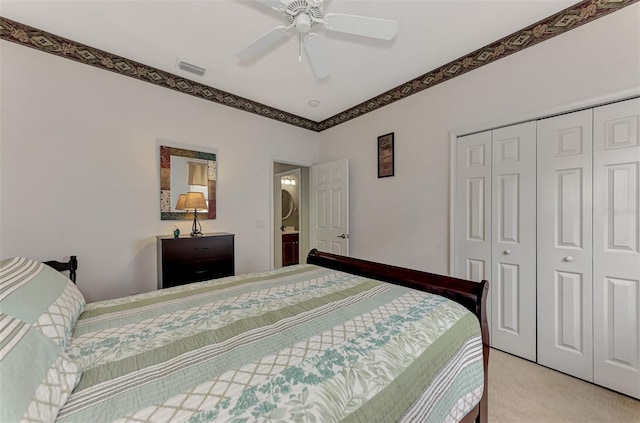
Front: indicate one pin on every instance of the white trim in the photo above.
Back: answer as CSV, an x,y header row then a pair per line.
x,y
291,161
277,203
452,196
513,120
285,160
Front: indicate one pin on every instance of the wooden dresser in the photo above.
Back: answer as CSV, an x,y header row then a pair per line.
x,y
191,259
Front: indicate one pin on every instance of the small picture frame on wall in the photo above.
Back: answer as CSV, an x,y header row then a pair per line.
x,y
386,165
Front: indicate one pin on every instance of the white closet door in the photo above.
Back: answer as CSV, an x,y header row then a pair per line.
x,y
473,207
616,250
513,228
565,339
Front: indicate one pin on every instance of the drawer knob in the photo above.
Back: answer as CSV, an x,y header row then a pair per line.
x,y
568,259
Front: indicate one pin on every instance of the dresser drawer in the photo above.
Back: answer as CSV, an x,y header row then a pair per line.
x,y
182,273
184,260
195,249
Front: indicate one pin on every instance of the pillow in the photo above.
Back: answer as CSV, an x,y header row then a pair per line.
x,y
37,378
41,296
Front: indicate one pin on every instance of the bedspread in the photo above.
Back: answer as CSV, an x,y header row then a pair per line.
x,y
302,343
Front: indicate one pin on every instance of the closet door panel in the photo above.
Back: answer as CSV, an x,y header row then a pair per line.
x,y
473,207
616,259
472,215
513,278
564,243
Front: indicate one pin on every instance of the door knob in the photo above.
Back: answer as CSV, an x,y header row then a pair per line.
x,y
506,252
343,236
568,258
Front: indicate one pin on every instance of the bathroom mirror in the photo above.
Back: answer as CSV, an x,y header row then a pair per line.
x,y
287,204
182,171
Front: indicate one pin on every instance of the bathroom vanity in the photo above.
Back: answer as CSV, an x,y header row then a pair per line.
x,y
290,248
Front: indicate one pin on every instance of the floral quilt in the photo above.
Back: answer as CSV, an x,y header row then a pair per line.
x,y
298,344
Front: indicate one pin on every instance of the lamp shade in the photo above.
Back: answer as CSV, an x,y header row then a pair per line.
x,y
197,174
195,201
181,201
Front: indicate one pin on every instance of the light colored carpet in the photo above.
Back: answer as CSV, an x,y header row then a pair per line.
x,y
521,392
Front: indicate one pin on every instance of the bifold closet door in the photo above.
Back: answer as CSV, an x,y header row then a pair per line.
x,y
472,213
616,249
564,246
495,224
513,240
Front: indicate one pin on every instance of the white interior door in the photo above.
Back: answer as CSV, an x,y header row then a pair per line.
x,y
329,203
513,240
564,245
616,250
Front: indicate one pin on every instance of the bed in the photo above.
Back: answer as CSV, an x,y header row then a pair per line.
x,y
336,339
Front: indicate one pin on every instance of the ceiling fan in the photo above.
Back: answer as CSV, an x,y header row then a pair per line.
x,y
303,15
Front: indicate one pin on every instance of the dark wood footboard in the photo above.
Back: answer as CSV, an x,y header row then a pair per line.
x,y
472,295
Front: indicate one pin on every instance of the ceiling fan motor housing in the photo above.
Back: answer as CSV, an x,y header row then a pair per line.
x,y
296,13
303,22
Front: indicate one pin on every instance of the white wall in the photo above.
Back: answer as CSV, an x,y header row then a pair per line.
x,y
80,173
404,220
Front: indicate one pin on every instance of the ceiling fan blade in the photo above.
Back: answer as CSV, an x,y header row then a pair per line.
x,y
274,4
263,43
383,29
315,51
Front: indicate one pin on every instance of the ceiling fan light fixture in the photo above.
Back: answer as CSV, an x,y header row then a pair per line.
x,y
188,67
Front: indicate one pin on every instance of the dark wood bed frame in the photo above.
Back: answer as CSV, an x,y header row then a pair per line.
x,y
472,295
71,266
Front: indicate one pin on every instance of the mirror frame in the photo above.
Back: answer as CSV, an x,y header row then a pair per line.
x,y
165,182
291,205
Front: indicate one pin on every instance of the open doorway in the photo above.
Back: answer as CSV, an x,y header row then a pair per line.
x,y
291,214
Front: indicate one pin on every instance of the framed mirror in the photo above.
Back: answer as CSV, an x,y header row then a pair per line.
x,y
287,204
182,171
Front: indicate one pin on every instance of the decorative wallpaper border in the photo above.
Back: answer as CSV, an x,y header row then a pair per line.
x,y
579,14
574,16
59,46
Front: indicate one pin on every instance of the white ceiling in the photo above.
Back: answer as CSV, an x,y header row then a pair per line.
x,y
209,33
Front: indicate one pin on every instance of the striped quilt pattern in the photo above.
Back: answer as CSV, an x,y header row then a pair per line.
x,y
302,343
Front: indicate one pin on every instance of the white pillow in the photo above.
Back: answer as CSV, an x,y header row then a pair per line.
x,y
41,296
37,377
